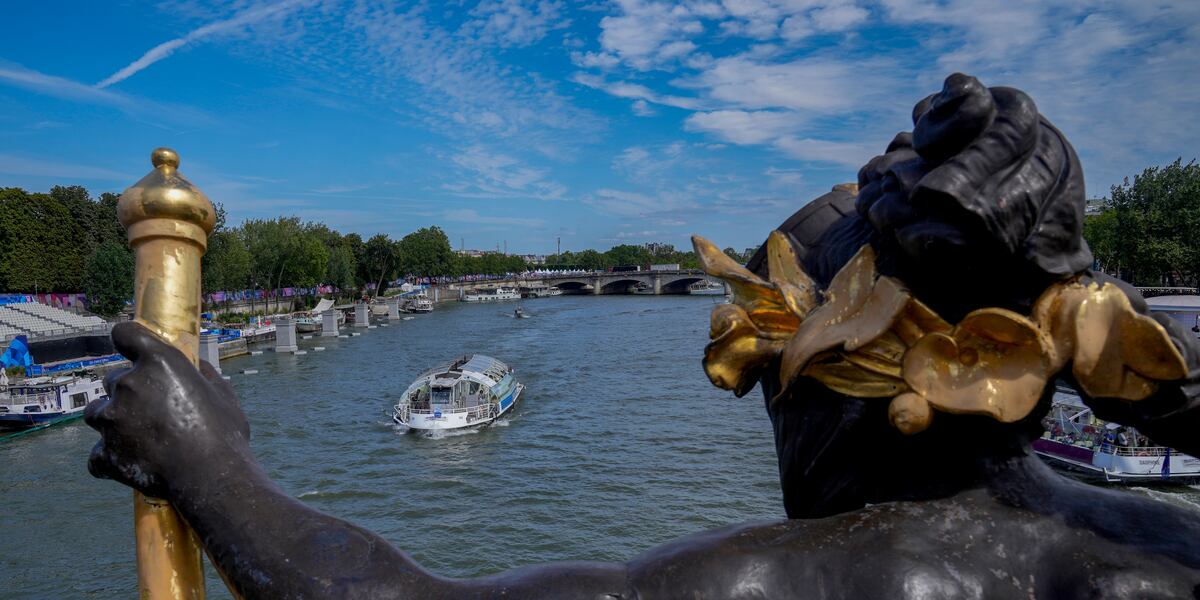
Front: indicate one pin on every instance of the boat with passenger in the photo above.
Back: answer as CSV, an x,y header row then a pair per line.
x,y
46,400
418,303
470,391
496,294
1077,441
706,288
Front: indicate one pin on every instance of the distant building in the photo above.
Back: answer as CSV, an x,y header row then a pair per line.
x,y
1095,206
534,259
473,253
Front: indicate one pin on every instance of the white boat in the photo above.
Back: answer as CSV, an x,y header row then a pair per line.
x,y
418,303
1076,441
43,400
473,390
492,295
1185,310
706,288
379,306
643,289
540,290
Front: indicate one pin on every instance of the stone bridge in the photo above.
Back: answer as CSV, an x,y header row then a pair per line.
x,y
625,282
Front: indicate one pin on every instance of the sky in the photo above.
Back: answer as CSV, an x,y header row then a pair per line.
x,y
513,124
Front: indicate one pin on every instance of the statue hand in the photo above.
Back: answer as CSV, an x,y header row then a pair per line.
x,y
164,421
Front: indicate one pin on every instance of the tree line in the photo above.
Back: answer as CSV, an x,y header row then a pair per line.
x,y
65,240
1147,231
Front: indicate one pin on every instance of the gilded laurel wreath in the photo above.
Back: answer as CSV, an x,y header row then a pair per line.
x,y
866,336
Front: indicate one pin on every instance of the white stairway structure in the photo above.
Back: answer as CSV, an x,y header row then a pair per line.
x,y
38,320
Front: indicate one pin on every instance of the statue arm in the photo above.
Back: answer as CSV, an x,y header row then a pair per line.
x,y
177,433
1171,416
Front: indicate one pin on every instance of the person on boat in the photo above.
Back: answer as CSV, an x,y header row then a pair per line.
x,y
981,206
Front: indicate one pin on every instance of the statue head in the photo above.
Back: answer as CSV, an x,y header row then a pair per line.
x,y
950,283
983,192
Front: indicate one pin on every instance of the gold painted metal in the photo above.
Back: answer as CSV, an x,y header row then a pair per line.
x,y
168,221
866,336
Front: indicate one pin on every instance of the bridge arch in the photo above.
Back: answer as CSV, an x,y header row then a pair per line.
x,y
573,286
624,285
680,285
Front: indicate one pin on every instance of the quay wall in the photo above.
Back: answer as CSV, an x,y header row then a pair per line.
x,y
275,305
48,351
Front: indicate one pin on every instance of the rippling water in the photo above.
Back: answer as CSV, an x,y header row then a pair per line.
x,y
618,444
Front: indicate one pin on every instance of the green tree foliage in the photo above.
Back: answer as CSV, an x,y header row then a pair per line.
x,y
227,263
108,278
1149,232
426,252
382,257
42,247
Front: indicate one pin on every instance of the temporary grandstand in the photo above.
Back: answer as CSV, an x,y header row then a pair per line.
x,y
41,321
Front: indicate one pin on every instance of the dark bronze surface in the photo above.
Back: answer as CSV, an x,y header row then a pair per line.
x,y
980,207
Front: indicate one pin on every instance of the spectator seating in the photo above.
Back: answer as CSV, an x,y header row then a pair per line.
x,y
34,319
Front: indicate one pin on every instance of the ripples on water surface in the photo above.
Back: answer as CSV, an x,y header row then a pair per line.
x,y
618,444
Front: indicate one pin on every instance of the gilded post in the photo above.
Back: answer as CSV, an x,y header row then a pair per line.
x,y
168,221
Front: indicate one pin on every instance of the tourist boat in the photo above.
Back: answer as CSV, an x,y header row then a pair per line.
x,y
540,290
643,289
706,288
1078,442
309,321
472,390
45,400
1184,309
418,303
379,306
492,295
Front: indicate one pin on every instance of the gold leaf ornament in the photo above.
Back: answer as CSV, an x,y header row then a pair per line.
x,y
867,337
995,362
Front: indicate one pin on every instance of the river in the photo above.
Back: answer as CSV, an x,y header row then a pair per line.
x,y
619,444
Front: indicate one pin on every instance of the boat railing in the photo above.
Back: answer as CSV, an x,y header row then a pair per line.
x,y
1134,450
20,399
473,412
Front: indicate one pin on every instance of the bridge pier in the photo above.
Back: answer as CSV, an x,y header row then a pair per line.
x,y
657,285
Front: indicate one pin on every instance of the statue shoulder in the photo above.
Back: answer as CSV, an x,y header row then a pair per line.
x,y
968,545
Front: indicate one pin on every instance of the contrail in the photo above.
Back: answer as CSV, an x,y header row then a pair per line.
x,y
165,49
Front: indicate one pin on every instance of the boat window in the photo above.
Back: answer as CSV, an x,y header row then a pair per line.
x,y
440,395
78,400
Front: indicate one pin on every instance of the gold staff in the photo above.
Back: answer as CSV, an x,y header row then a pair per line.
x,y
168,221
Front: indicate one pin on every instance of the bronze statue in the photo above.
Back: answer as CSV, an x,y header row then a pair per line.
x,y
906,336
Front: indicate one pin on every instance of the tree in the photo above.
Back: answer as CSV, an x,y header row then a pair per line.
x,y
108,279
1153,236
381,257
227,263
426,252
42,247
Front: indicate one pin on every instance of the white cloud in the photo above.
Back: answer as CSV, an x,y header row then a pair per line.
x,y
744,127
59,87
838,18
495,174
36,167
642,108
466,215
849,154
803,84
165,49
515,22
635,91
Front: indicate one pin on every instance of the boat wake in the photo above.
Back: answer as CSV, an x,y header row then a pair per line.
x,y
1168,497
437,434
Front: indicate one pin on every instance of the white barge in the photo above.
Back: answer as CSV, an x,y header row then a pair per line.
x,y
471,391
492,295
44,400
1075,440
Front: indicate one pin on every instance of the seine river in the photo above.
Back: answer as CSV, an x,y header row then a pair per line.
x,y
619,444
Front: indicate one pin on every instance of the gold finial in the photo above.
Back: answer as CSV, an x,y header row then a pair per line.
x,y
165,203
164,156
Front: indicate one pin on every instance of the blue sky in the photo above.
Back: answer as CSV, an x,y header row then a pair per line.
x,y
524,121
